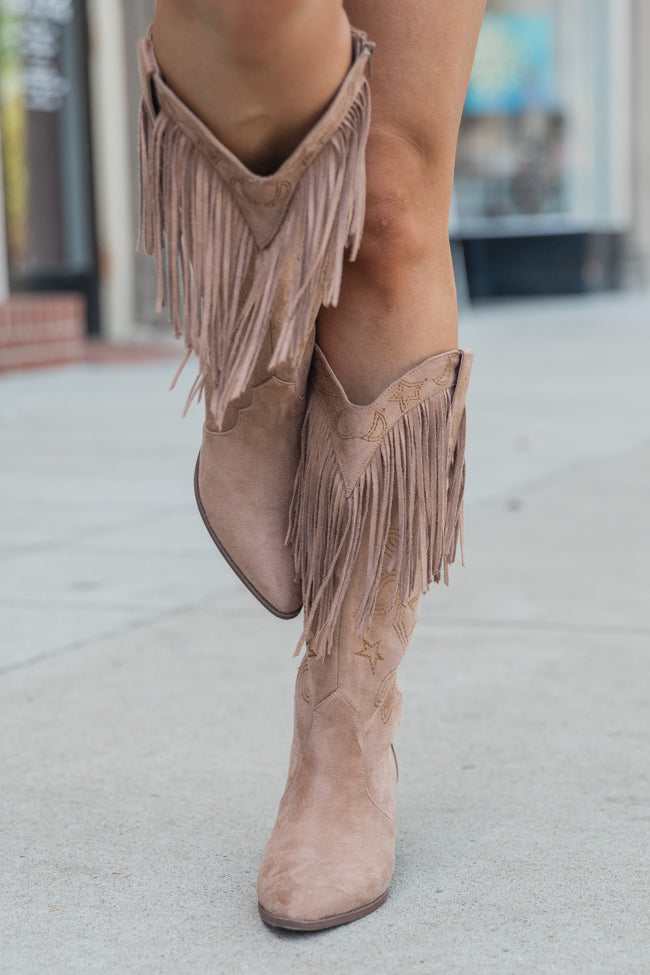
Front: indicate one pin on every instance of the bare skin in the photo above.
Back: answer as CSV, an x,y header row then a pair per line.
x,y
398,301
281,62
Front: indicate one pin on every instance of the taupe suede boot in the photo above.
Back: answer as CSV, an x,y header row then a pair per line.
x,y
244,261
376,516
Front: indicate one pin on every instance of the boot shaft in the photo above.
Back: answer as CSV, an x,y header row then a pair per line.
x,y
377,509
232,248
378,498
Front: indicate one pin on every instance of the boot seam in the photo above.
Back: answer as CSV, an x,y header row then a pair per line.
x,y
308,737
383,812
287,383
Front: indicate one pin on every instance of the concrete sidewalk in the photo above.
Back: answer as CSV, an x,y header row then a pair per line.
x,y
145,699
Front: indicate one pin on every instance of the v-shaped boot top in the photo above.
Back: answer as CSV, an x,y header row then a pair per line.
x,y
358,431
263,200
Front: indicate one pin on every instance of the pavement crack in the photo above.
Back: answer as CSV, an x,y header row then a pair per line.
x,y
87,643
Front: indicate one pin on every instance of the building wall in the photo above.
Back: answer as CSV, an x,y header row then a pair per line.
x,y
128,284
639,244
113,172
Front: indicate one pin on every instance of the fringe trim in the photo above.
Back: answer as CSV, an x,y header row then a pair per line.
x,y
220,287
411,490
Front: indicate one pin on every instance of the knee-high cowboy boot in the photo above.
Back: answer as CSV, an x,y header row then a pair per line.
x,y
244,261
376,516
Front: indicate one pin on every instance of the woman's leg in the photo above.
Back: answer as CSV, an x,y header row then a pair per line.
x,y
377,505
398,301
278,63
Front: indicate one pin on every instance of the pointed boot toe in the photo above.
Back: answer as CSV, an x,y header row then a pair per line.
x,y
331,853
305,888
316,908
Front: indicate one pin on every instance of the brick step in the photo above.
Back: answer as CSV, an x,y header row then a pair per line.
x,y
41,330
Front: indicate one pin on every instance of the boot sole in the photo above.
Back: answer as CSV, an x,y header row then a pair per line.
x,y
324,922
233,565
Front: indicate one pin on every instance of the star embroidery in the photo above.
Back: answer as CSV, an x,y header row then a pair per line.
x,y
371,653
406,394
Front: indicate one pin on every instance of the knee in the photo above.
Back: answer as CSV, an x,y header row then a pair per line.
x,y
249,26
407,207
243,13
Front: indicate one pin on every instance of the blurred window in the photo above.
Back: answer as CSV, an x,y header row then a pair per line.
x,y
43,103
535,146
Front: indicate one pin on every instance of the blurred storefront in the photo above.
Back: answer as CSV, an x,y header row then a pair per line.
x,y
543,180
50,258
551,194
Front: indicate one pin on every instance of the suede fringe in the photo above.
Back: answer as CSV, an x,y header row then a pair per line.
x,y
408,501
221,288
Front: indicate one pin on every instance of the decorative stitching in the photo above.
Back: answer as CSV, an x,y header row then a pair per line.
x,y
385,599
450,367
407,394
384,697
392,543
280,192
403,627
375,433
303,680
